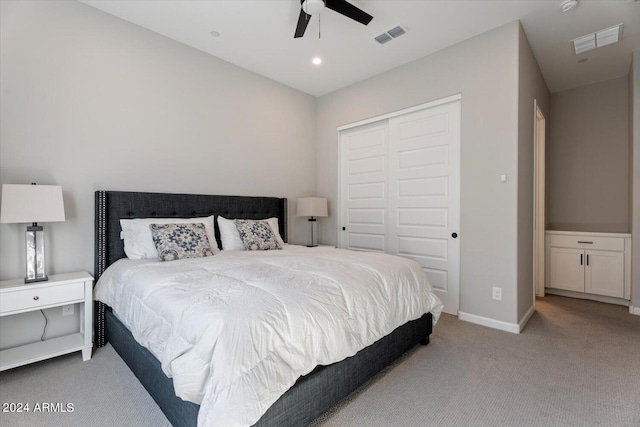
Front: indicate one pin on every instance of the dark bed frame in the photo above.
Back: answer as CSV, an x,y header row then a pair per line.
x,y
312,394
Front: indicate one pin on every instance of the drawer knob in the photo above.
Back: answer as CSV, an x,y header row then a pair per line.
x,y
36,298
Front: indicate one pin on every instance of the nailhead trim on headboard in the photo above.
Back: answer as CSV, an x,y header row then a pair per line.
x,y
100,261
101,232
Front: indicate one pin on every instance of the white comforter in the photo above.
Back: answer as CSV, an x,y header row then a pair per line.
x,y
236,330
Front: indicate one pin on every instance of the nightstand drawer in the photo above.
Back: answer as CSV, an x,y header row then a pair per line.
x,y
34,297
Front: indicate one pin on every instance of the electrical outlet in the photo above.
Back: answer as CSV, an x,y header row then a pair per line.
x,y
67,310
497,294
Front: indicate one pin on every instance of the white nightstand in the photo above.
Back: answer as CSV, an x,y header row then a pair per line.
x,y
61,289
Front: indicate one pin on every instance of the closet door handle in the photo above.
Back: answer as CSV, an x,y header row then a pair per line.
x,y
581,259
587,259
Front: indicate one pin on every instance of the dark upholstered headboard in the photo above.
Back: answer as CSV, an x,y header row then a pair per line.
x,y
111,206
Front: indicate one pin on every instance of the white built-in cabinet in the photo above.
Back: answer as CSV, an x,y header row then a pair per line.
x,y
596,264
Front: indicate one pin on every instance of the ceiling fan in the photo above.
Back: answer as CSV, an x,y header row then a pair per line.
x,y
312,7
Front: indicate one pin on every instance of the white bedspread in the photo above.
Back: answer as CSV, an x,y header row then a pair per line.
x,y
236,330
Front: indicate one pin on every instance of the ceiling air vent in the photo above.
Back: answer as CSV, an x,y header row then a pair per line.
x,y
383,38
396,32
391,34
598,39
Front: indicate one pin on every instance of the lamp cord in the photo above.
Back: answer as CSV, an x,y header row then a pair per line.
x,y
46,322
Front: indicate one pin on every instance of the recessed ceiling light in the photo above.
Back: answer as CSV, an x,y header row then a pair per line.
x,y
317,60
214,34
568,5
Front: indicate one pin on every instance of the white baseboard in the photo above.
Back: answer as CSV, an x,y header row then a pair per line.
x,y
491,323
634,310
592,297
523,322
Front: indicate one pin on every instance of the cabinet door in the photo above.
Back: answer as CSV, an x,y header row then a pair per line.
x,y
604,273
566,269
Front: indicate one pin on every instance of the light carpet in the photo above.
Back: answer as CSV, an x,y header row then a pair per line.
x,y
577,363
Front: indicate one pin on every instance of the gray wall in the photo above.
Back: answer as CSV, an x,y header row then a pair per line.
x,y
89,101
634,93
531,86
588,168
485,71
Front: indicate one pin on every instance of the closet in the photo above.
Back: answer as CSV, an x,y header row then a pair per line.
x,y
399,190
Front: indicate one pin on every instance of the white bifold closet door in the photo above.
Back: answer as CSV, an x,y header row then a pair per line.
x,y
400,192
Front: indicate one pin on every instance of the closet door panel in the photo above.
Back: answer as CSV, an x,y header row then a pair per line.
x,y
364,188
424,195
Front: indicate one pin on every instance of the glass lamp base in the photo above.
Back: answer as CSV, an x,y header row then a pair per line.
x,y
35,255
314,233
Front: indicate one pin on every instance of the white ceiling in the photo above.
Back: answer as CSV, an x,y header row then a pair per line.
x,y
258,35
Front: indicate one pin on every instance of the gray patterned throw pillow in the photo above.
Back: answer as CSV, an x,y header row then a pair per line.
x,y
256,235
178,241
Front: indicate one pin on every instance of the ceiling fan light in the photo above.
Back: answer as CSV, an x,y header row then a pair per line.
x,y
312,7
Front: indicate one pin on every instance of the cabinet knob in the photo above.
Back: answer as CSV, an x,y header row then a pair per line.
x,y
36,298
454,235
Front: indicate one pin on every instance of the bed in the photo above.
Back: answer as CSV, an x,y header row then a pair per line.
x,y
312,394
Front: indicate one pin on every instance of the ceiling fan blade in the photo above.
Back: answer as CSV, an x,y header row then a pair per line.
x,y
350,11
303,21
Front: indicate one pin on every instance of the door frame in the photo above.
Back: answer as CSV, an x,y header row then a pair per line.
x,y
539,183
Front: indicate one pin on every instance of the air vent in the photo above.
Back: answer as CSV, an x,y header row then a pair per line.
x,y
584,44
608,36
598,39
383,38
391,34
396,32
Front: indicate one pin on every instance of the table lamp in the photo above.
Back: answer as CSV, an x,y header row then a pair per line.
x,y
312,207
32,204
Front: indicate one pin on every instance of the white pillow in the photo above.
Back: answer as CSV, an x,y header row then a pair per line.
x,y
273,222
230,236
138,240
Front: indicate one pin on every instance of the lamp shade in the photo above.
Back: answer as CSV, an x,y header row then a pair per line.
x,y
312,206
31,203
